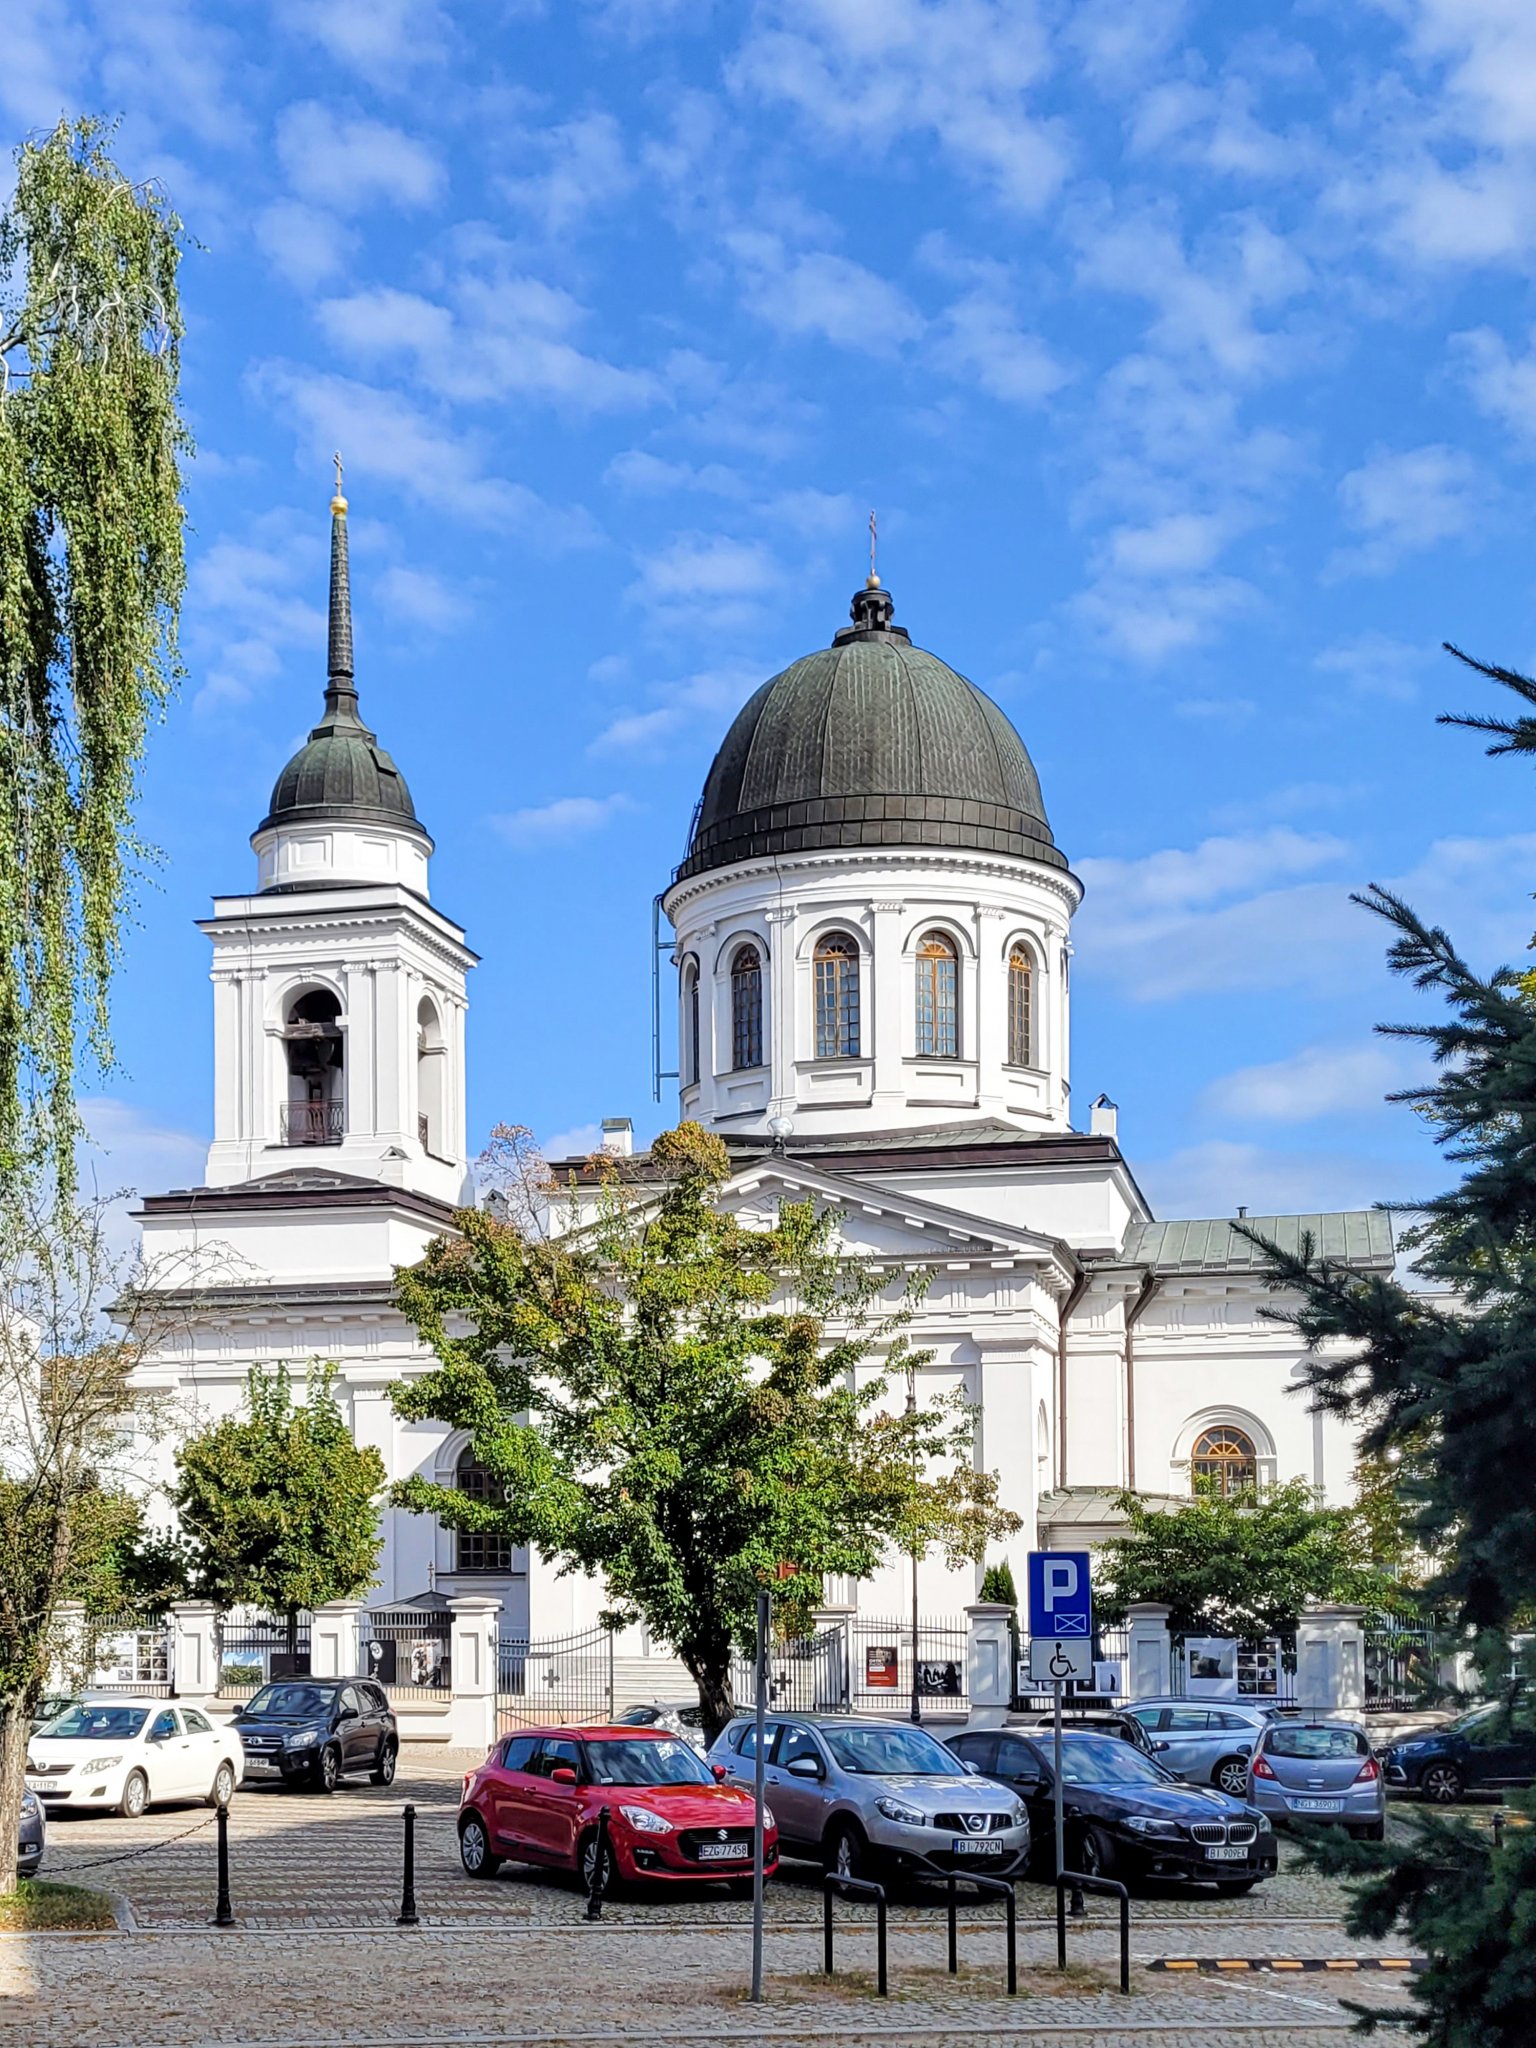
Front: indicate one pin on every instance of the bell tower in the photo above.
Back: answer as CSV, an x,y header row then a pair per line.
x,y
339,989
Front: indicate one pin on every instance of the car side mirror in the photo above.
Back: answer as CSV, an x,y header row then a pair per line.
x,y
971,1770
347,1714
719,1773
805,1767
562,1774
1159,1745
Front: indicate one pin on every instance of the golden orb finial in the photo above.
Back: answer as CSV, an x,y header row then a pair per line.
x,y
338,503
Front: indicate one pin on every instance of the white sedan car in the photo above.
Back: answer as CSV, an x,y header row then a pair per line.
x,y
121,1755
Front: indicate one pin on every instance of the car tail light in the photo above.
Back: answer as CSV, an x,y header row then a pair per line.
x,y
1368,1772
1260,1769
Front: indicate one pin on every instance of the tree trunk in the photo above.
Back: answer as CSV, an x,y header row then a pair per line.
x,y
717,1704
15,1733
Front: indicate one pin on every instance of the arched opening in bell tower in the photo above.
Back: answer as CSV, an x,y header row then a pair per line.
x,y
431,1075
315,1111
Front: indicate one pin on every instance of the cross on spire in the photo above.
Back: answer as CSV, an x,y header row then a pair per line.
x,y
874,534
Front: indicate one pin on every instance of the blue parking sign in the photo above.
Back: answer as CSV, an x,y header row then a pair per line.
x,y
1060,1594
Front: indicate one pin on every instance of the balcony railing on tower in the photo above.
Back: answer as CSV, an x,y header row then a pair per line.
x,y
313,1123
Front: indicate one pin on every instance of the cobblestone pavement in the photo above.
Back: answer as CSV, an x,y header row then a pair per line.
x,y
317,1957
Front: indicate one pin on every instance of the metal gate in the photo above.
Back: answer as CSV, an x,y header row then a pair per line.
x,y
882,1666
1402,1661
253,1648
809,1676
130,1653
556,1681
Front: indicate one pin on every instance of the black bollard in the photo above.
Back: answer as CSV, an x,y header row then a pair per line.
x,y
1498,1828
223,1912
599,1866
407,1914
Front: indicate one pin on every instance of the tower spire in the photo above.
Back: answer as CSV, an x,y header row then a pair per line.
x,y
340,692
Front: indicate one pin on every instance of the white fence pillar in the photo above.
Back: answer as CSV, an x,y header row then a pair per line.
x,y
1330,1660
194,1649
838,1622
67,1661
335,1640
1149,1676
989,1662
473,1668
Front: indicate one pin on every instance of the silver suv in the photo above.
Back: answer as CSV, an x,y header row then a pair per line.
x,y
860,1794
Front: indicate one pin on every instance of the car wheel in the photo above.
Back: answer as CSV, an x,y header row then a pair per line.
x,y
1096,1854
475,1848
1238,1888
1373,1831
845,1852
383,1772
740,1887
135,1796
327,1775
588,1864
223,1788
1231,1776
1442,1783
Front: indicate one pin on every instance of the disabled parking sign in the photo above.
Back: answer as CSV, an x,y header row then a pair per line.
x,y
1060,1595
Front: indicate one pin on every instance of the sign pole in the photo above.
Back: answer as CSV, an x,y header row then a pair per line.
x,y
763,1610
1061,1825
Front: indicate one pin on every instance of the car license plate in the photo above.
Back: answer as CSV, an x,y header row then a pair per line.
x,y
38,1785
1229,1853
1317,1805
262,1763
723,1852
969,1845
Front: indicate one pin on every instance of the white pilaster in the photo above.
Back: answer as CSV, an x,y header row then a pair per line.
x,y
476,1624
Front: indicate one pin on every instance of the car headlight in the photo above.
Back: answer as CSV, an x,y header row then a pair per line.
x,y
301,1738
1266,1825
644,1822
29,1802
1020,1816
768,1819
99,1763
1142,1824
905,1816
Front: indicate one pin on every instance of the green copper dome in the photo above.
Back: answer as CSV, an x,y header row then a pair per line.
x,y
869,742
341,771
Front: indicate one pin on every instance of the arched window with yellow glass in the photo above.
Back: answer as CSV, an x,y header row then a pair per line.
x,y
1021,1007
479,1550
836,969
938,998
746,1007
1224,1461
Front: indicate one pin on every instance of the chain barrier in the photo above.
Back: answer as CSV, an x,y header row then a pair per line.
x,y
145,1849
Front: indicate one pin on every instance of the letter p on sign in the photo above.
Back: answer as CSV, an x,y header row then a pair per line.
x,y
1060,1583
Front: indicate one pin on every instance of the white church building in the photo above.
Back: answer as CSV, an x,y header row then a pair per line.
x,y
873,953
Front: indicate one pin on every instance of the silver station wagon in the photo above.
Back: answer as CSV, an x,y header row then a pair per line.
x,y
869,1795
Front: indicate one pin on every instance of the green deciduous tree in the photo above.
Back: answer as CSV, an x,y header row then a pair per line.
x,y
91,574
683,1404
1442,1376
279,1508
1242,1566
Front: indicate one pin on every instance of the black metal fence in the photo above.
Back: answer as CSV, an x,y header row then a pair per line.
x,y
555,1681
1402,1660
253,1648
805,1677
882,1665
128,1653
408,1649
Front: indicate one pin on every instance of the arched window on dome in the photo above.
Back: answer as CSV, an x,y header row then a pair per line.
x,y
1224,1461
479,1550
746,1007
938,998
1021,1008
690,1022
837,997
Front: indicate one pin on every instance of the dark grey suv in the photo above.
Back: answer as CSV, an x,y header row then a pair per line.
x,y
859,1794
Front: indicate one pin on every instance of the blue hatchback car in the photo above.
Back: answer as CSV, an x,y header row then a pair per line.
x,y
33,1837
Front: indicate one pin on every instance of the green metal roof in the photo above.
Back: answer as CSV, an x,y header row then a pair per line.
x,y
1210,1244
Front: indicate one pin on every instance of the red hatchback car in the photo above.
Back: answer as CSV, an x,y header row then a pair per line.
x,y
536,1799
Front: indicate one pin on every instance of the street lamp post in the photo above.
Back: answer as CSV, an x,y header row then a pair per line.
x,y
917,1711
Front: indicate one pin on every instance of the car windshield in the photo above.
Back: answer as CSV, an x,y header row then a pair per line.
x,y
890,1753
97,1724
647,1763
290,1702
1317,1745
1105,1760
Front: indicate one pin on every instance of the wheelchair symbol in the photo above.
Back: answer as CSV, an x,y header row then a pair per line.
x,y
1061,1666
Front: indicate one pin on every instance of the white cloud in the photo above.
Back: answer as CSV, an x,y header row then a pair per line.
x,y
304,244
568,817
1502,385
171,59
1152,622
704,581
421,597
878,74
388,438
584,168
1404,501
45,55
127,1154
1218,1177
1320,1080
383,41
506,335
580,1142
701,703
822,294
249,601
1374,665
980,341
647,475
350,163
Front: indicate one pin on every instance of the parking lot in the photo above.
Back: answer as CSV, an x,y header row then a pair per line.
x,y
316,1886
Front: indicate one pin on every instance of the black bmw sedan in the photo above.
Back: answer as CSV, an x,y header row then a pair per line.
x,y
1126,1816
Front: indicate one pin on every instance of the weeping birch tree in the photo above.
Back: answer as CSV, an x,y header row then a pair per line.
x,y
91,576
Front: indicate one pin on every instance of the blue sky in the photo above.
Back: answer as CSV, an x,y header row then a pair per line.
x,y
1187,352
